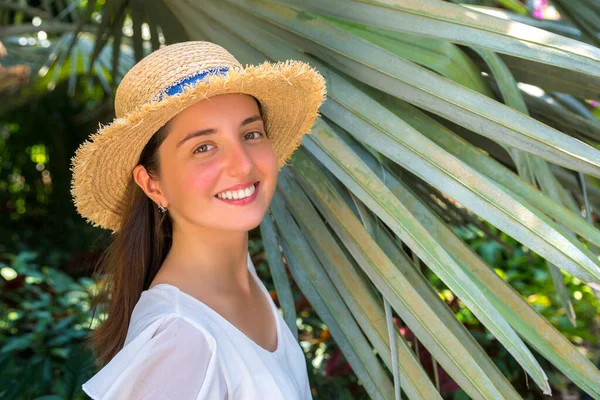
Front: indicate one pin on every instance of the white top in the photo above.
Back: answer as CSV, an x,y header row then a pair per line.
x,y
179,348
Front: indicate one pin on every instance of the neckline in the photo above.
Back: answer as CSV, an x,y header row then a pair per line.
x,y
263,289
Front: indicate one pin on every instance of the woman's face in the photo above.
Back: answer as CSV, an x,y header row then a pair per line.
x,y
212,146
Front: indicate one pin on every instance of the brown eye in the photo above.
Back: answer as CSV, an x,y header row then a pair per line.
x,y
249,133
199,148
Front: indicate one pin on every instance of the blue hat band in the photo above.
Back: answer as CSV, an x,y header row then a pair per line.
x,y
179,86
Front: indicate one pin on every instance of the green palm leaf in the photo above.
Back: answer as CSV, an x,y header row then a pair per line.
x,y
362,302
378,198
442,20
409,293
324,297
386,71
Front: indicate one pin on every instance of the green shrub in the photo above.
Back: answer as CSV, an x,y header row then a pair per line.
x,y
44,316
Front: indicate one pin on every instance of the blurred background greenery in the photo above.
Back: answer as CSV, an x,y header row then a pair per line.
x,y
48,253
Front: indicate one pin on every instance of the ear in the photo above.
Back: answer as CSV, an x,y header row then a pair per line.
x,y
149,185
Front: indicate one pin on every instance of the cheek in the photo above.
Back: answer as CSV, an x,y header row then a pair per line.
x,y
200,179
266,159
190,181
268,165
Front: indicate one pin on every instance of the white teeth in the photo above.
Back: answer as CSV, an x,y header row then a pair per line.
x,y
237,194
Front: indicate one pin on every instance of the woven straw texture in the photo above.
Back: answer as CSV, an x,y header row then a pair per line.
x,y
290,94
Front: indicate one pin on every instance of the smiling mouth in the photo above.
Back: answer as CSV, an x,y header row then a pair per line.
x,y
242,195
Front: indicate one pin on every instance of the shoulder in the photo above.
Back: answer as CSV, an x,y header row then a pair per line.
x,y
182,332
158,304
170,352
158,313
172,334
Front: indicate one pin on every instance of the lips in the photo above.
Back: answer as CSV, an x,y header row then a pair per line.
x,y
239,187
241,201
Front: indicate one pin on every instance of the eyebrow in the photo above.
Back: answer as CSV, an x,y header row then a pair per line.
x,y
211,131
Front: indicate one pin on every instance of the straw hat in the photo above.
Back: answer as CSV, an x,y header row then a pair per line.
x,y
165,83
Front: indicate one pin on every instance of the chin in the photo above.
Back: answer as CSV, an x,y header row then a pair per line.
x,y
247,224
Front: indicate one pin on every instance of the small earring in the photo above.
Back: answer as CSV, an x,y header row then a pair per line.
x,y
161,209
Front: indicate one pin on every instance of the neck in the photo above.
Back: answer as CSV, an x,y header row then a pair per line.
x,y
210,258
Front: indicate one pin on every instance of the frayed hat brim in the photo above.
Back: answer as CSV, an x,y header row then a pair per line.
x,y
290,94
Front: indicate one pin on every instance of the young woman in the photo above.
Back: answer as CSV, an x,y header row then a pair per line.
x,y
182,174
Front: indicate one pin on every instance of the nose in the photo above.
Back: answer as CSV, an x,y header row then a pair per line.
x,y
239,161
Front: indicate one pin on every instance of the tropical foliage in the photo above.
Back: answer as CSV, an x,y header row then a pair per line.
x,y
45,312
441,119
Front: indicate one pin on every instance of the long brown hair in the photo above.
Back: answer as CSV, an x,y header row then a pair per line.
x,y
133,259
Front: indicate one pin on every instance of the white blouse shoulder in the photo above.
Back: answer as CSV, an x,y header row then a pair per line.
x,y
179,348
170,359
